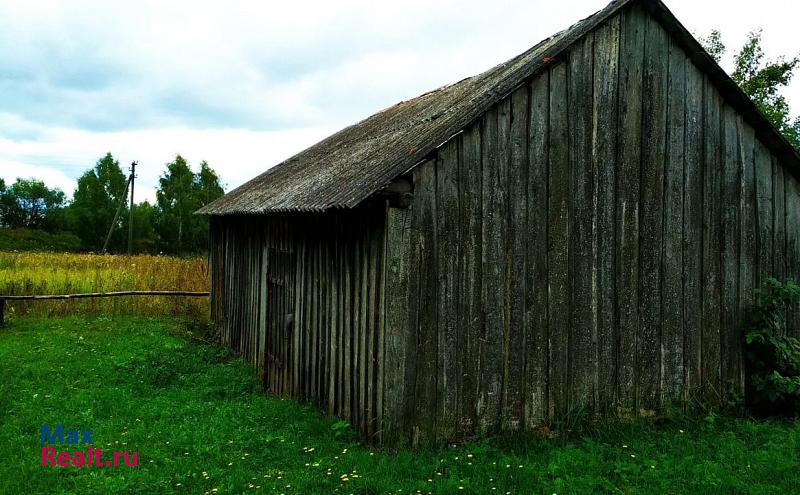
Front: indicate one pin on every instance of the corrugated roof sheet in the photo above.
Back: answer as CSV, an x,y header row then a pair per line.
x,y
346,168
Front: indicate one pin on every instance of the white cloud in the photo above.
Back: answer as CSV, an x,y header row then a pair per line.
x,y
236,154
246,84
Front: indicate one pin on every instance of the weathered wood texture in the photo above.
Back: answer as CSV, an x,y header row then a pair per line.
x,y
299,297
588,246
596,238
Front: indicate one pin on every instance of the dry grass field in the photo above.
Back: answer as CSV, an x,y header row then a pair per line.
x,y
67,273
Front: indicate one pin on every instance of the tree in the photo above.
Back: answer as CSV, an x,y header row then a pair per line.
x,y
762,80
207,185
180,194
27,203
94,203
176,202
713,45
145,238
207,188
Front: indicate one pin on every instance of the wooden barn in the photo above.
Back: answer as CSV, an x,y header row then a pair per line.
x,y
578,230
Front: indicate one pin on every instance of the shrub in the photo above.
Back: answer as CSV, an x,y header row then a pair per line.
x,y
38,240
772,356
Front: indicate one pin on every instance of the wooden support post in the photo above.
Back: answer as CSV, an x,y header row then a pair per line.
x,y
2,312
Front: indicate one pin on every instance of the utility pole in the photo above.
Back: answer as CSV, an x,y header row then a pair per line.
x,y
116,215
130,213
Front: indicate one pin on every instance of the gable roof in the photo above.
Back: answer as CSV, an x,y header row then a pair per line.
x,y
346,168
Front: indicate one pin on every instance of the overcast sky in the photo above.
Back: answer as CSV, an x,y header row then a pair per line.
x,y
247,84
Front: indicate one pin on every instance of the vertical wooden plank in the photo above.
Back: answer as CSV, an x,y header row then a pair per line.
x,y
280,291
605,111
357,297
283,344
470,308
628,201
304,327
363,330
269,295
381,342
254,283
448,254
286,299
693,234
263,304
372,333
712,245
764,214
247,296
291,271
397,268
412,315
672,260
333,321
425,386
342,315
748,263
341,354
375,263
536,239
731,191
493,237
313,318
326,330
321,318
584,295
778,220
369,334
514,372
654,110
273,301
558,256
347,326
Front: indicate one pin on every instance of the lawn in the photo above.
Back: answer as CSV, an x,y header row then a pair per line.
x,y
200,424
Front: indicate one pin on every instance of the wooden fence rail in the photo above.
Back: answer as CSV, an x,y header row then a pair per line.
x,y
178,293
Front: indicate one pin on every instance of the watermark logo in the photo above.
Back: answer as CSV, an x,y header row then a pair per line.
x,y
78,437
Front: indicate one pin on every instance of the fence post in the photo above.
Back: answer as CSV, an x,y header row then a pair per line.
x,y
2,312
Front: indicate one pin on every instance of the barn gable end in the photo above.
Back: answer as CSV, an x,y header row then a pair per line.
x,y
588,224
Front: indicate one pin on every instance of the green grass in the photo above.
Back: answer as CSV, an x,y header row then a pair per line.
x,y
199,422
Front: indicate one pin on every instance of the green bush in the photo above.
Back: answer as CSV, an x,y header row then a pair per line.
x,y
38,240
773,357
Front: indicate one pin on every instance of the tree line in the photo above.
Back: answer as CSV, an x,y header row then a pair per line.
x,y
168,226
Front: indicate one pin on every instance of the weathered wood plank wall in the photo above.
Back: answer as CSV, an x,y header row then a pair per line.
x,y
301,297
590,245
